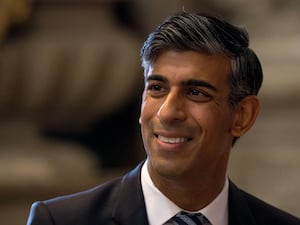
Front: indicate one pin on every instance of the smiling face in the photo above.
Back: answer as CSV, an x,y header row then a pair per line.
x,y
186,119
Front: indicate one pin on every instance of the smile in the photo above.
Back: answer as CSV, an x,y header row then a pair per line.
x,y
172,140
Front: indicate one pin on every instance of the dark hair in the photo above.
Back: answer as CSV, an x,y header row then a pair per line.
x,y
211,35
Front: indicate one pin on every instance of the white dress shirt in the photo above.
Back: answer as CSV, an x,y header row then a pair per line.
x,y
160,209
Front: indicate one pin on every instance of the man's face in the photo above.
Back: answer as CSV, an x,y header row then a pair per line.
x,y
186,118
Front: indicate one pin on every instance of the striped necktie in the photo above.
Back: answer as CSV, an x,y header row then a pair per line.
x,y
184,218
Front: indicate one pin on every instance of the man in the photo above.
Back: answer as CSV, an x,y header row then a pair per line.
x,y
200,96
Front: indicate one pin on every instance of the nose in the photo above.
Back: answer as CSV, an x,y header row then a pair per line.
x,y
172,108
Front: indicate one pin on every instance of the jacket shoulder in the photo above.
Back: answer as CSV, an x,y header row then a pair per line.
x,y
103,204
265,213
78,208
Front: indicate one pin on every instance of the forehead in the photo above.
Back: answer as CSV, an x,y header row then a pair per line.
x,y
183,65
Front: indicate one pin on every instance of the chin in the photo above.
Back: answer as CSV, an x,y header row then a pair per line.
x,y
166,168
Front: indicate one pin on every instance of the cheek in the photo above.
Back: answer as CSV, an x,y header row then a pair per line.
x,y
147,113
143,108
212,119
144,111
149,109
204,114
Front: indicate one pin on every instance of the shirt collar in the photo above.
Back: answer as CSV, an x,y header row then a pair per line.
x,y
160,209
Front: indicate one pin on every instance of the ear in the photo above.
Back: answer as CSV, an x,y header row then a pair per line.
x,y
245,115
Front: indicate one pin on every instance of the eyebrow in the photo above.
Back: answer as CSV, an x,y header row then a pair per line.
x,y
156,77
200,83
191,82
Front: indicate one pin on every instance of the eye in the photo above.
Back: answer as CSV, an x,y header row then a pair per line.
x,y
194,92
198,95
155,89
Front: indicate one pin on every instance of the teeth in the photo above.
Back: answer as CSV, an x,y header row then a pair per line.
x,y
172,140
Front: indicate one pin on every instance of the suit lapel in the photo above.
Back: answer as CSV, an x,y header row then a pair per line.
x,y
130,207
239,212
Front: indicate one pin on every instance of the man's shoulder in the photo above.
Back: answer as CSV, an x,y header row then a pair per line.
x,y
92,206
105,192
265,213
102,191
268,214
82,205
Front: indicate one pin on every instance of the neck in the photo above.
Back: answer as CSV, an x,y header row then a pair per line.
x,y
191,194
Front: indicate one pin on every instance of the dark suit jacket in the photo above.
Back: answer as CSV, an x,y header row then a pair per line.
x,y
121,201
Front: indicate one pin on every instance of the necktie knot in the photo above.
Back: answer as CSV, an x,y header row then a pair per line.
x,y
185,218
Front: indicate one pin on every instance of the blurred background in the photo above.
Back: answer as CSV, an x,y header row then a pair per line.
x,y
70,89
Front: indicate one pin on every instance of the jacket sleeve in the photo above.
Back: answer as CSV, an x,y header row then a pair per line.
x,y
39,215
